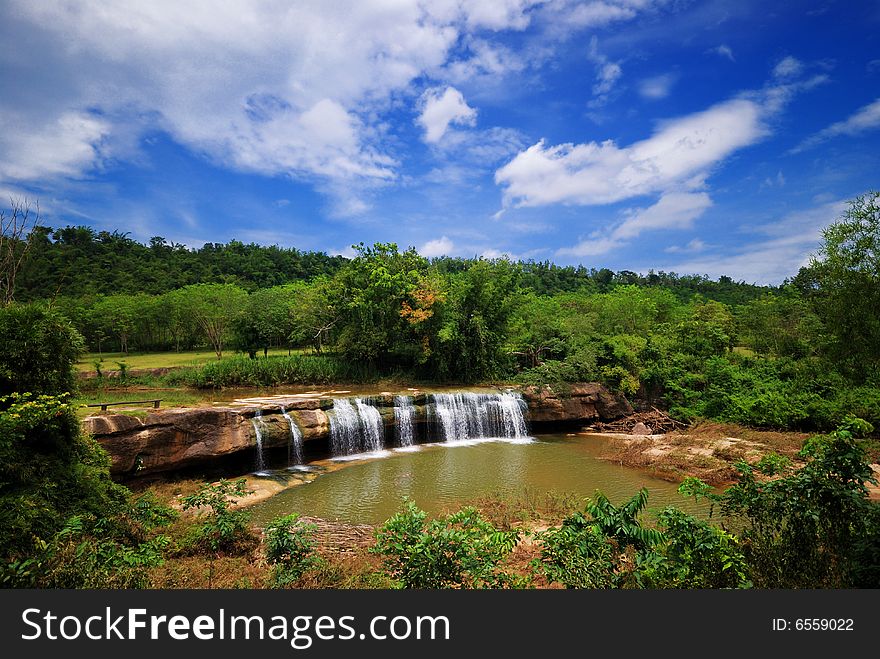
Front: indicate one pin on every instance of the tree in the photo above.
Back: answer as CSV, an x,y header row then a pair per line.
x,y
315,313
18,226
847,273
40,347
215,308
373,288
118,315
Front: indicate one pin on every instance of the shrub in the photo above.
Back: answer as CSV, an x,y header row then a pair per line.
x,y
461,550
290,548
223,529
40,347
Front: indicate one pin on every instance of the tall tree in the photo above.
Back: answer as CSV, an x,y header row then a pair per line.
x,y
847,271
215,308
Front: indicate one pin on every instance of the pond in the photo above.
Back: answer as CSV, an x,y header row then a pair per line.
x,y
442,476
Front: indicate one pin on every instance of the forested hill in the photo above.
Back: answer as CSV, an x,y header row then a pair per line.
x,y
80,261
77,261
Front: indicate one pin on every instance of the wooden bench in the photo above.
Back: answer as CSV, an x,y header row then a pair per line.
x,y
104,406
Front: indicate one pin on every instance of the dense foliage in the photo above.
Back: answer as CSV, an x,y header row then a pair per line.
x,y
812,527
802,355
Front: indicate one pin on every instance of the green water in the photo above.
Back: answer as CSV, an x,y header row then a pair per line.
x,y
441,477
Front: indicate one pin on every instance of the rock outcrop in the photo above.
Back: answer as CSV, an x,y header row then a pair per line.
x,y
168,440
582,403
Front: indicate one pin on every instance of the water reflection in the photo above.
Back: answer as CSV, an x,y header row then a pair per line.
x,y
443,476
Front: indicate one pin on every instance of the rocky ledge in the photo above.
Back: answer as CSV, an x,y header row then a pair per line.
x,y
174,439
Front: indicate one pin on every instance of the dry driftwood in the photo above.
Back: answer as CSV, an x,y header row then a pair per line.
x,y
656,420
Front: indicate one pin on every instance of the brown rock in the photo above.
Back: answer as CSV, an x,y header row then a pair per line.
x,y
640,429
110,423
584,402
314,424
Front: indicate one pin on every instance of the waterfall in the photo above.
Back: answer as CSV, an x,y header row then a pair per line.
x,y
355,428
466,415
294,447
404,413
258,423
373,430
344,424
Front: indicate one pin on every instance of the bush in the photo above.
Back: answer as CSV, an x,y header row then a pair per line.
x,y
461,550
813,527
223,529
290,548
48,472
272,371
39,349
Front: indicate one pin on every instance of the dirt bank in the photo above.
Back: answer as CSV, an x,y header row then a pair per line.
x,y
708,451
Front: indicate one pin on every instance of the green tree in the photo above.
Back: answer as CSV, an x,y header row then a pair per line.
x,y
373,289
847,272
39,348
812,527
215,308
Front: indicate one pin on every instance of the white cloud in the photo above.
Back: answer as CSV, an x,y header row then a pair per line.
x,y
67,146
723,51
864,119
788,67
675,210
780,250
438,247
657,87
296,89
441,108
679,153
607,74
695,245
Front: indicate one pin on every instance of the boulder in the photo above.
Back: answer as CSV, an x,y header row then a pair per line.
x,y
640,429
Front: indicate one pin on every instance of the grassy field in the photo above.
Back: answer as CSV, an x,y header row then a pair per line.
x,y
169,397
109,361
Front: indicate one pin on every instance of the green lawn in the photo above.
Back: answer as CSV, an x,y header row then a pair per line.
x,y
169,397
109,360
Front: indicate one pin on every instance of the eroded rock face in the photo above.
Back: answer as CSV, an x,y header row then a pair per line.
x,y
167,440
177,438
584,402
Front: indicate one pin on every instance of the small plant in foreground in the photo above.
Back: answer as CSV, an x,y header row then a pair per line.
x,y
223,529
290,548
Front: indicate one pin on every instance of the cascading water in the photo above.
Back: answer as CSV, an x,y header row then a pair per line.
x,y
372,428
258,424
344,427
404,414
355,428
466,415
294,447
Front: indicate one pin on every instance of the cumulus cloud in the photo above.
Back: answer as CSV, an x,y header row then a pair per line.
x,y
675,210
296,89
438,247
656,87
864,119
695,245
679,153
65,147
441,108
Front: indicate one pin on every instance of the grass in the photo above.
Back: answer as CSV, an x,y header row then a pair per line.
x,y
144,360
170,398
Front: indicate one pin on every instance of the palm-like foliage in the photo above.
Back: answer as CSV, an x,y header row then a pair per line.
x,y
619,523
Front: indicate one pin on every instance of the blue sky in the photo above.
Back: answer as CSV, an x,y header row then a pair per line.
x,y
707,137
